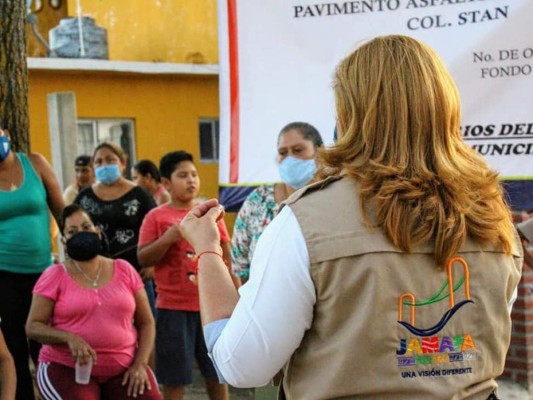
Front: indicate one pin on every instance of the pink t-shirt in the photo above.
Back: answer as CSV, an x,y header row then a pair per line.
x,y
175,274
103,317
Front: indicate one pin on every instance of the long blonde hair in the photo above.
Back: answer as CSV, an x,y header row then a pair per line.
x,y
398,117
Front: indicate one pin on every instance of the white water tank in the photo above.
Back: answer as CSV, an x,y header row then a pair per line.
x,y
65,39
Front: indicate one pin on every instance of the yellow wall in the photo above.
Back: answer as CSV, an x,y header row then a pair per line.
x,y
166,110
179,31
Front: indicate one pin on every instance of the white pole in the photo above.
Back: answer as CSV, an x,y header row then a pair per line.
x,y
80,28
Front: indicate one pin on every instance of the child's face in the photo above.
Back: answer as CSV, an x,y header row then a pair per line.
x,y
139,179
184,183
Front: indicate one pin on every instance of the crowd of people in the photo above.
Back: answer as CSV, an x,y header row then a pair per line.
x,y
97,308
331,256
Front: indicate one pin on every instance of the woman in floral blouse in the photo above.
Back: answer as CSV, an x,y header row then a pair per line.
x,y
297,146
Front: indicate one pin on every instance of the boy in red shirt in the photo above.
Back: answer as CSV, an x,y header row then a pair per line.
x,y
179,336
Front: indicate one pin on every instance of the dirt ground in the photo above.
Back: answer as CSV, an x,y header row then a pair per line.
x,y
508,391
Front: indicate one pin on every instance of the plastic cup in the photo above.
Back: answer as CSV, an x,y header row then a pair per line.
x,y
83,372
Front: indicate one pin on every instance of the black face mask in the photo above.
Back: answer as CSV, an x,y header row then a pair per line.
x,y
83,246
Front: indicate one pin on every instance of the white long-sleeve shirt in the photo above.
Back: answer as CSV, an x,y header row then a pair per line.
x,y
274,310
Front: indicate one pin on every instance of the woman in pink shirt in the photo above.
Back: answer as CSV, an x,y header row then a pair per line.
x,y
91,309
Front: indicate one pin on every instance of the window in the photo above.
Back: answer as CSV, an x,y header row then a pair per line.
x,y
91,132
209,136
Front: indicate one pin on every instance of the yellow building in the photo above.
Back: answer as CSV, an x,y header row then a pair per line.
x,y
160,82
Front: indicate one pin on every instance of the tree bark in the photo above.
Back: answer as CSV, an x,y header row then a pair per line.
x,y
14,73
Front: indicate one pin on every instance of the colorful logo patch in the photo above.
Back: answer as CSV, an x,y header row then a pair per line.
x,y
427,348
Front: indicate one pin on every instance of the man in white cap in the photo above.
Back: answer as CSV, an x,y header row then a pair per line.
x,y
84,178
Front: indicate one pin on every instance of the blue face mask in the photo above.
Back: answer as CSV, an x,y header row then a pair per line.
x,y
107,174
295,172
5,147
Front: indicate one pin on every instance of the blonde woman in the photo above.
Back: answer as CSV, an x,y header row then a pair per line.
x,y
393,277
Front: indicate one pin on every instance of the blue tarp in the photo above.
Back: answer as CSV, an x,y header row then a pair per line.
x,y
232,197
519,195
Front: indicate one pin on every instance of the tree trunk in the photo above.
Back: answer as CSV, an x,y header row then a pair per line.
x,y
14,73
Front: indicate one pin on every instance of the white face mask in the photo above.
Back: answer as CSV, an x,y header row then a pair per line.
x,y
107,174
296,172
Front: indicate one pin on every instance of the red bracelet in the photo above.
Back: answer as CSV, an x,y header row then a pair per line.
x,y
208,252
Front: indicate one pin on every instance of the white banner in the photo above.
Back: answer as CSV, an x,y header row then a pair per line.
x,y
277,58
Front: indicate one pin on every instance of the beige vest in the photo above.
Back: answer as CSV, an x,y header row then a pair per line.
x,y
367,340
